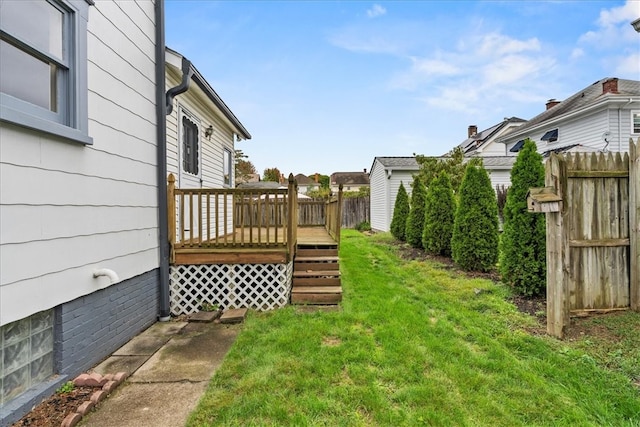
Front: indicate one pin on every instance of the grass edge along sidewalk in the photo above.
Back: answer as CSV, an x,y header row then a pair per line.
x,y
414,343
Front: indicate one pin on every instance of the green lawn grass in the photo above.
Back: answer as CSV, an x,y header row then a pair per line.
x,y
414,344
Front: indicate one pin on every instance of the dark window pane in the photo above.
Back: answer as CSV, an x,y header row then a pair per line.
x,y
190,158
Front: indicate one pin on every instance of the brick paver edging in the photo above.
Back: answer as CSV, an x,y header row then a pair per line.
x,y
108,384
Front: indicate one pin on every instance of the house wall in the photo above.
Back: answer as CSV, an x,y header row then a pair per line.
x,y
378,197
211,149
500,177
67,209
587,130
383,193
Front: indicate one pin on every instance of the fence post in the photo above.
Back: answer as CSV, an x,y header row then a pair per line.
x,y
171,212
557,251
634,224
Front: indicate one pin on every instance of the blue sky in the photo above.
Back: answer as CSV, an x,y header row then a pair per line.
x,y
325,86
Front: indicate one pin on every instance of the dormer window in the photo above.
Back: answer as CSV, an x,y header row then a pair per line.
x,y
551,136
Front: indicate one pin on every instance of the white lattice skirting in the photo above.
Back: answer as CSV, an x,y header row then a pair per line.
x,y
257,286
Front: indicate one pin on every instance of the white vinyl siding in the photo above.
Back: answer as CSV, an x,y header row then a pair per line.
x,y
67,209
378,197
199,106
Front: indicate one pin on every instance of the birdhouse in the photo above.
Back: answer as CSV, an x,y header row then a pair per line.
x,y
543,199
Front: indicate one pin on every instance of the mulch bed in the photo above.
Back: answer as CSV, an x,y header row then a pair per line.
x,y
52,411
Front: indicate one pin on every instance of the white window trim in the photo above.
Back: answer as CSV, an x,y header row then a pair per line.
x,y
230,166
75,124
632,113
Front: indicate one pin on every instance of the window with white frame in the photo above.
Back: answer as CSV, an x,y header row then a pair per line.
x,y
43,66
550,136
635,122
190,146
227,167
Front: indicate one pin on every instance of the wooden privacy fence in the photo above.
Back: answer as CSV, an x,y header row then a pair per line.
x,y
311,212
355,210
592,216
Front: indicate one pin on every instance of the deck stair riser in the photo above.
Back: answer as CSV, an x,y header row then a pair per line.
x,y
316,275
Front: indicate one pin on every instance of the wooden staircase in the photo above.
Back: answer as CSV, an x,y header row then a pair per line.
x,y
316,275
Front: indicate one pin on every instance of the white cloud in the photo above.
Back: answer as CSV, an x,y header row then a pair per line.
x,y
613,26
577,53
376,11
434,67
629,66
496,44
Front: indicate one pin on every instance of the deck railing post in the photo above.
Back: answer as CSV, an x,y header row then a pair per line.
x,y
292,216
339,215
171,212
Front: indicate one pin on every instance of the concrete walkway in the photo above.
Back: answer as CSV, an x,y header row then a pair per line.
x,y
170,365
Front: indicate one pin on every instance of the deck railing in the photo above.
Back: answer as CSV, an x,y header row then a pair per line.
x,y
214,218
334,215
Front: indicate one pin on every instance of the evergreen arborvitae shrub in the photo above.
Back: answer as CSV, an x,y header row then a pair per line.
x,y
474,243
523,243
439,215
415,222
400,214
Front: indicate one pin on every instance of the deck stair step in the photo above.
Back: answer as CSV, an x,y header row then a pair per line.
x,y
316,275
316,295
317,252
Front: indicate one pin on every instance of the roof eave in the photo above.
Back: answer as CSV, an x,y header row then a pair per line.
x,y
174,59
602,102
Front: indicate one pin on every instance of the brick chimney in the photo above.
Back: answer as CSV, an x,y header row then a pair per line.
x,y
316,177
610,86
552,103
473,131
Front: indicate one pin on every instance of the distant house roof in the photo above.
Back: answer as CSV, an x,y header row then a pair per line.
x,y
477,140
350,178
594,94
302,179
176,60
407,163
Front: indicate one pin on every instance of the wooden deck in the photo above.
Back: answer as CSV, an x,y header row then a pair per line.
x,y
259,246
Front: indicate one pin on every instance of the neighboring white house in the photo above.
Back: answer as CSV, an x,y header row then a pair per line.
x,y
80,132
600,117
201,131
388,172
483,143
386,175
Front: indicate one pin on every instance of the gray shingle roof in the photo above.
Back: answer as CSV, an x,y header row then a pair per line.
x,y
398,162
350,178
582,99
